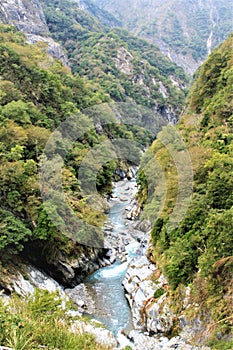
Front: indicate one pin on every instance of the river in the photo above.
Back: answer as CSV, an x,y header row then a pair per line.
x,y
110,304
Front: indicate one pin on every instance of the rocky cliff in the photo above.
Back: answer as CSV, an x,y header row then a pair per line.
x,y
28,16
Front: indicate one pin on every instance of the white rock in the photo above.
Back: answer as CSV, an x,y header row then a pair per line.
x,y
102,335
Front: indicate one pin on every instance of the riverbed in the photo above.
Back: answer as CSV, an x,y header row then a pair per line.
x,y
105,285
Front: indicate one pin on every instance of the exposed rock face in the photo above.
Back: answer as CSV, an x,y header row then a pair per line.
x,y
25,15
66,270
168,113
140,290
54,49
145,342
24,278
152,316
28,16
123,61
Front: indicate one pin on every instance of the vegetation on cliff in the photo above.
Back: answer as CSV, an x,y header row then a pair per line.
x,y
36,95
127,68
184,30
199,251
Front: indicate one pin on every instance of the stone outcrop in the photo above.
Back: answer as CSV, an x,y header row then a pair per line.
x,y
25,278
173,25
66,270
25,15
146,342
22,279
140,289
123,61
153,320
28,16
54,49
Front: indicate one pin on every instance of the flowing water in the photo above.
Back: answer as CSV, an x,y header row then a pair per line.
x,y
111,306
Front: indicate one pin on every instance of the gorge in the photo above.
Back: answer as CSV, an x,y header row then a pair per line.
x,y
155,271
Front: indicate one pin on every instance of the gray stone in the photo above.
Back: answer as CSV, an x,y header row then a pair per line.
x,y
25,281
54,49
101,334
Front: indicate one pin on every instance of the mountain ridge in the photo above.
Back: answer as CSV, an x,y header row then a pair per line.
x,y
186,31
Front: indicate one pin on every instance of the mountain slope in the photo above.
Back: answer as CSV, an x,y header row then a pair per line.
x,y
198,252
185,30
37,93
127,68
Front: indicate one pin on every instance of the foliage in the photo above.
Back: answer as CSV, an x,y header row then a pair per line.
x,y
127,68
159,292
204,238
40,321
181,28
36,94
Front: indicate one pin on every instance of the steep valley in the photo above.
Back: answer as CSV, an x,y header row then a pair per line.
x,y
116,175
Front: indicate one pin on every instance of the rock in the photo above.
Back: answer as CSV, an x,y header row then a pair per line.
x,y
28,16
121,173
138,287
159,318
82,298
132,211
54,49
25,280
66,270
144,226
142,341
101,334
123,61
123,341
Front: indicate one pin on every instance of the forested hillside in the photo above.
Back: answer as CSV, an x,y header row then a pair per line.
x,y
37,93
115,86
186,31
127,68
199,251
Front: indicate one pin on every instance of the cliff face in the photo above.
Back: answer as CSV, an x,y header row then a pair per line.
x,y
25,15
28,16
185,30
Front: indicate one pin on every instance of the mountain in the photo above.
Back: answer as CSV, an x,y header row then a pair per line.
x,y
128,68
36,94
197,251
185,30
